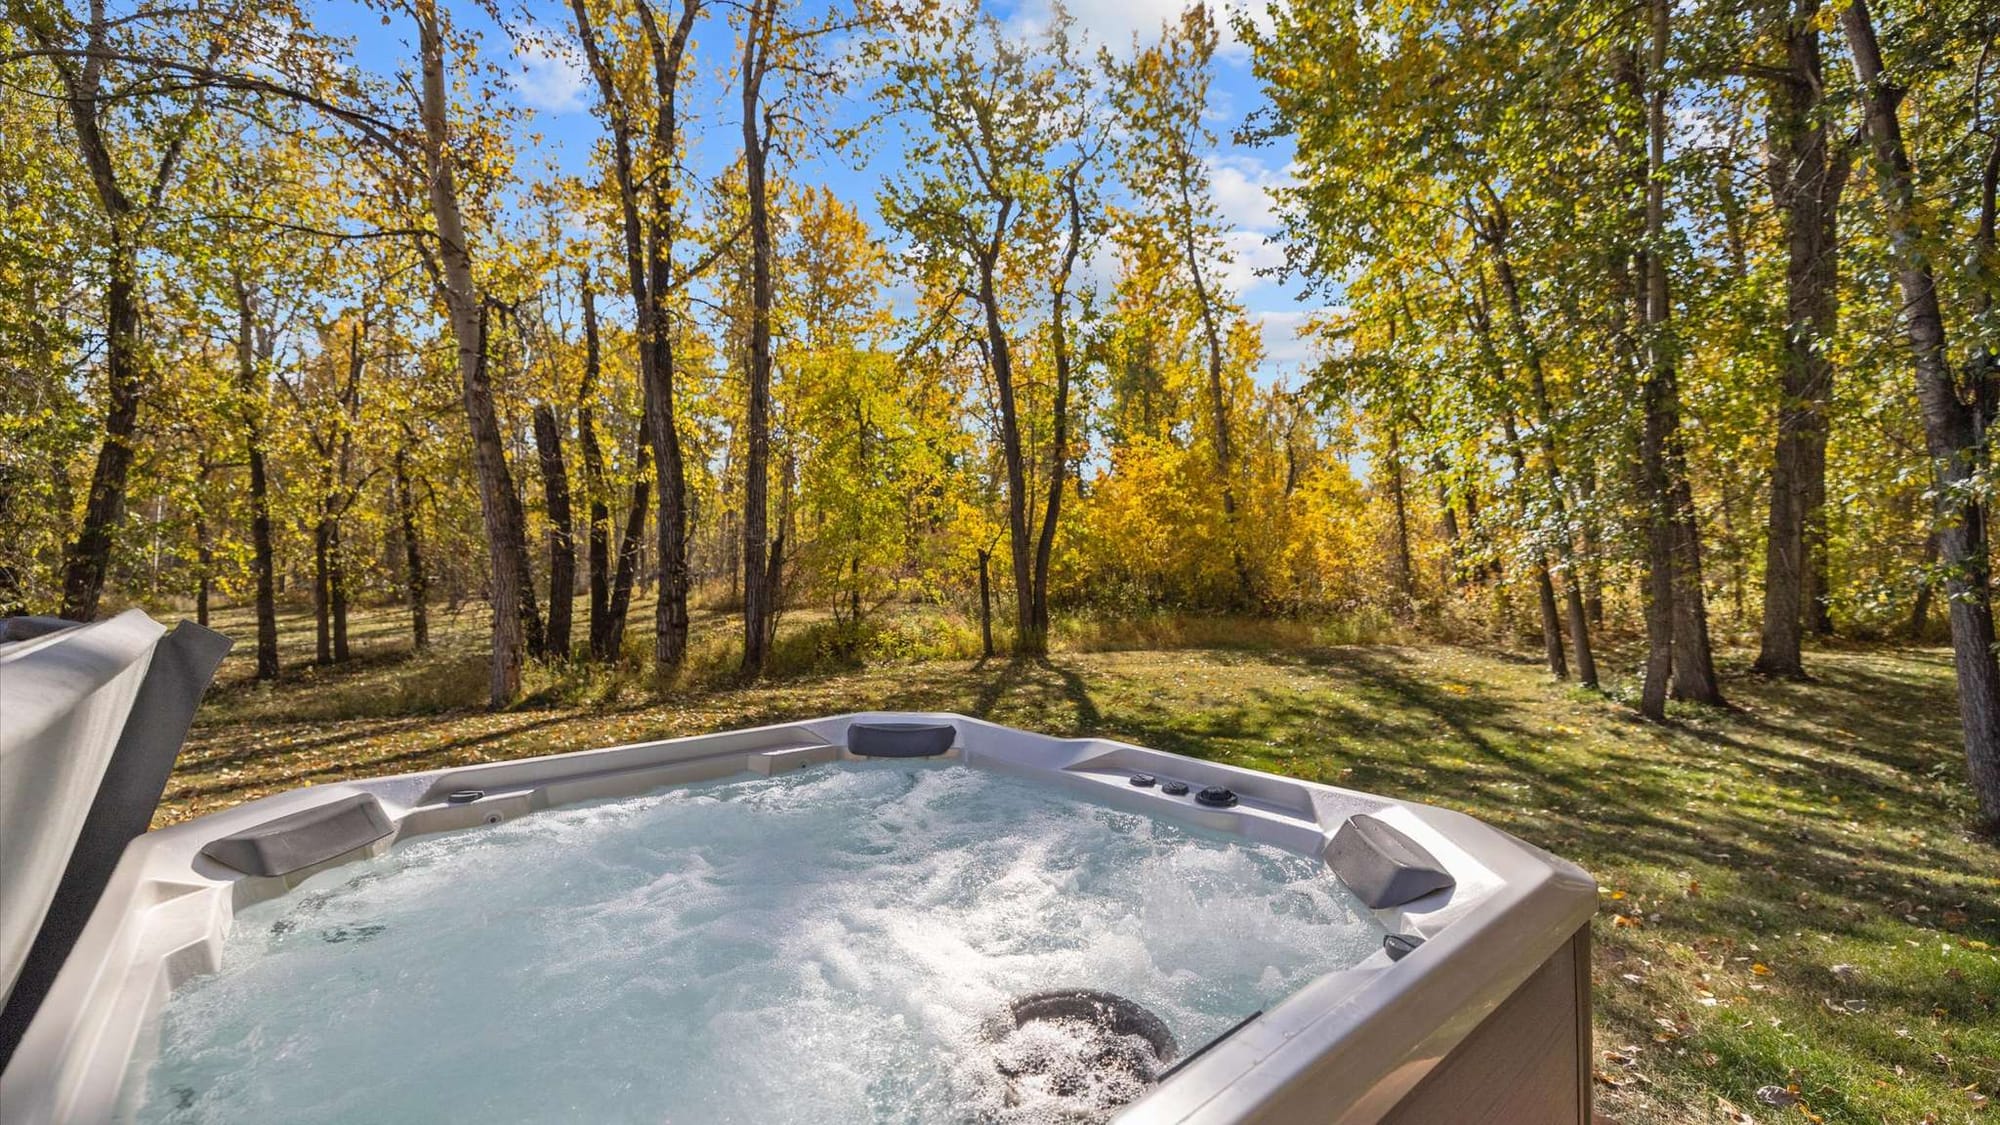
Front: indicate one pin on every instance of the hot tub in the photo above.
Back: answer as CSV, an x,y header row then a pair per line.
x,y
860,917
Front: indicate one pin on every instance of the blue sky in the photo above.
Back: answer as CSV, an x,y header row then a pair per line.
x,y
545,76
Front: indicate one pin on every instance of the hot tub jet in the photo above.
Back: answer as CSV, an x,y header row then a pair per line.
x,y
1086,1050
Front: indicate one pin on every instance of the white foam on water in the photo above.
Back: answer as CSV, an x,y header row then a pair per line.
x,y
826,946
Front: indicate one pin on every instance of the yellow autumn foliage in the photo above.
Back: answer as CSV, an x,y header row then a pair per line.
x,y
1152,531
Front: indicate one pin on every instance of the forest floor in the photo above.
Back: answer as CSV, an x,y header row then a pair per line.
x,y
1795,923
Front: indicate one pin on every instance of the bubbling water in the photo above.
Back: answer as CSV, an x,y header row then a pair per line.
x,y
826,946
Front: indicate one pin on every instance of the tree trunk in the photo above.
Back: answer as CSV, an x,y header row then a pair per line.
x,y
1059,438
205,568
1657,404
322,592
1454,542
336,588
999,356
340,496
415,582
594,483
1694,660
985,603
1545,590
263,562
1406,569
534,634
12,600
1475,530
631,547
466,314
1952,427
562,546
251,385
670,618
1807,173
1676,611
1920,609
89,556
774,578
1818,591
759,561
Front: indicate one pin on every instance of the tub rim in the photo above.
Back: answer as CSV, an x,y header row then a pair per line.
x,y
1374,1030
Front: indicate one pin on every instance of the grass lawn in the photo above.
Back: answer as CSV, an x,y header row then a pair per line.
x,y
1790,899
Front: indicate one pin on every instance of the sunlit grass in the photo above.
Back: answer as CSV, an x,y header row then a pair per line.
x,y
1802,907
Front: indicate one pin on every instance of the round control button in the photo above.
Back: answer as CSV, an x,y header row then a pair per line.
x,y
1216,797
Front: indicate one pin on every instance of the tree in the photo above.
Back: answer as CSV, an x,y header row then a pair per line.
x,y
761,558
1955,412
466,310
1360,92
84,55
609,599
255,345
854,432
649,223
1162,97
327,401
1807,166
1677,644
993,195
562,543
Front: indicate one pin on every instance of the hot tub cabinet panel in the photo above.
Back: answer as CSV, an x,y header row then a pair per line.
x,y
1528,1061
1482,1017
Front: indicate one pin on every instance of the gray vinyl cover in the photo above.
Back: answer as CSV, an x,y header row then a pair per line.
x,y
298,840
1381,865
900,740
64,697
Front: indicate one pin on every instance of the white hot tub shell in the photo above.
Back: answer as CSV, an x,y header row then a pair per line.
x,y
1486,1019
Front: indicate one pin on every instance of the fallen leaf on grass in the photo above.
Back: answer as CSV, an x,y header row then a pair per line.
x,y
1778,1096
1731,1113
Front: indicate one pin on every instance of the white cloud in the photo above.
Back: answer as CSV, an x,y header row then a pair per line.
x,y
1113,23
1100,269
1287,343
1697,128
1242,186
548,75
1249,252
